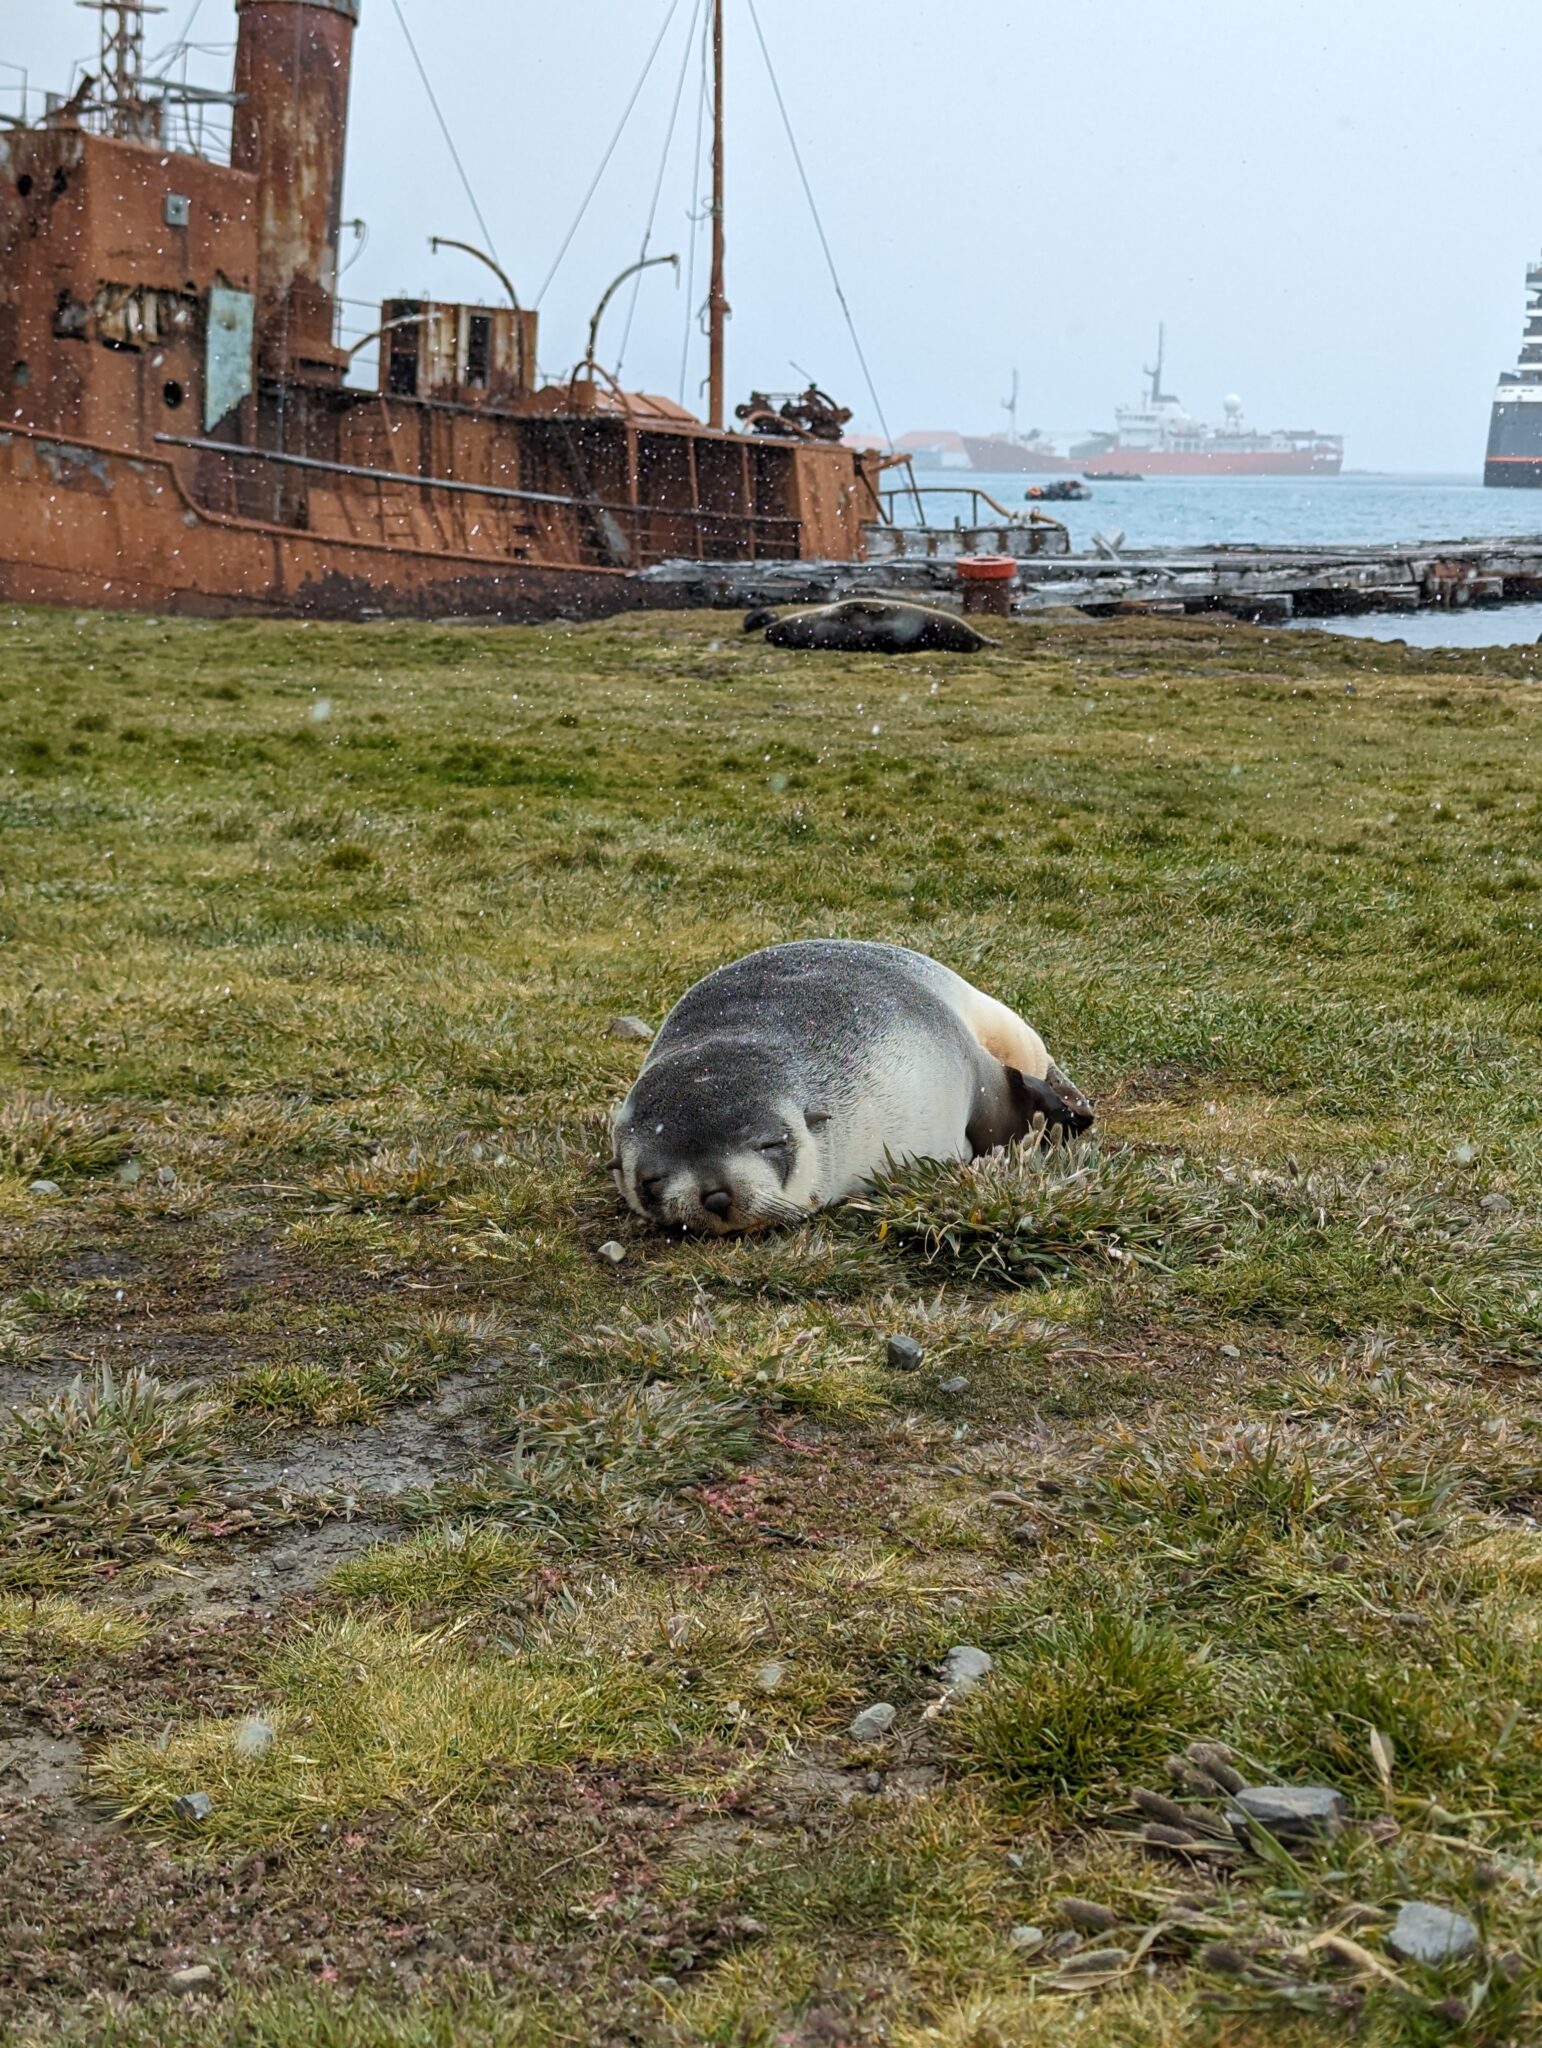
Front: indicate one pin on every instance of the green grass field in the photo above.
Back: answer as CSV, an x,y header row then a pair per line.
x,y
503,1611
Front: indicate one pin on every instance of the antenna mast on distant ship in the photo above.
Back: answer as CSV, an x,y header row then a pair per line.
x,y
1157,393
1009,406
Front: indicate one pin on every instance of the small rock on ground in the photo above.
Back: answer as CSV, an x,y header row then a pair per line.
x,y
45,1187
1026,1937
953,1386
1297,1812
770,1676
613,1251
192,1806
637,1029
197,1977
903,1353
964,1667
873,1721
1423,1933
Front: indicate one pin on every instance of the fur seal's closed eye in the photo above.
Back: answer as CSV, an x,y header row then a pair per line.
x,y
904,1059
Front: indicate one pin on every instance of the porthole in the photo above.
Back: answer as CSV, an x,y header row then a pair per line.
x,y
173,393
24,185
21,375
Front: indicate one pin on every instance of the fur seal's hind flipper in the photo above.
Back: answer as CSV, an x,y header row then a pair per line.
x,y
1062,1105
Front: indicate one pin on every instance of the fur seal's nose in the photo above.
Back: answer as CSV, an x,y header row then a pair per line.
x,y
718,1200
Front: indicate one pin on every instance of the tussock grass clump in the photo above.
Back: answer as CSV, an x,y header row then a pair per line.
x,y
409,1368
1096,1698
458,1567
18,1341
594,1458
369,1714
409,1177
1458,1704
1276,1478
1027,1218
63,1625
112,1467
42,1138
787,1356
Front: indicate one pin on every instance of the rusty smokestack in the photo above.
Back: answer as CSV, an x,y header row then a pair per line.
x,y
293,59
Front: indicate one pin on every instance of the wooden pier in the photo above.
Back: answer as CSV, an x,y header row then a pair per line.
x,y
1273,584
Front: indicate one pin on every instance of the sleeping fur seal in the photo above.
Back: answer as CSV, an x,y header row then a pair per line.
x,y
869,625
788,1080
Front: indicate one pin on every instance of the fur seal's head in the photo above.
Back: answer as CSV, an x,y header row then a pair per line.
x,y
758,620
711,1139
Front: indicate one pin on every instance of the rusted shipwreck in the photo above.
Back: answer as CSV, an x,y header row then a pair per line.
x,y
177,432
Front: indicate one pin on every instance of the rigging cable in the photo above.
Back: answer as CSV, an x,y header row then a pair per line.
x,y
674,9
444,130
696,218
658,185
824,240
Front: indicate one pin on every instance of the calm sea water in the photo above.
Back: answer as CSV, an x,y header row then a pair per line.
x,y
1184,511
1179,512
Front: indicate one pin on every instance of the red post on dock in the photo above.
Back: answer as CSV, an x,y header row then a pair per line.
x,y
986,583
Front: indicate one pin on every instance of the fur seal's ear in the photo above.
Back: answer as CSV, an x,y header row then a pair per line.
x,y
1063,1107
758,620
815,1117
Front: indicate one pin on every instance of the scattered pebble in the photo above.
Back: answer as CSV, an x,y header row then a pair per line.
x,y
45,1187
1291,1812
1463,1155
167,1176
1026,1535
1026,1937
637,1029
1431,1934
903,1353
254,1737
964,1667
1497,1205
196,1977
192,1806
1230,1351
873,1722
129,1172
770,1676
613,1251
956,1385
872,1783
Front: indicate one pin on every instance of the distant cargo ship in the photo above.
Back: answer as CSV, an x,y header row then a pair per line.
x,y
1515,425
1158,438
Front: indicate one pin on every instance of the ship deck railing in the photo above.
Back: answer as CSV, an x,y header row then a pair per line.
x,y
770,536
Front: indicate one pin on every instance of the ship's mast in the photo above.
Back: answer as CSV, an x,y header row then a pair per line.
x,y
717,299
123,68
1009,406
1157,393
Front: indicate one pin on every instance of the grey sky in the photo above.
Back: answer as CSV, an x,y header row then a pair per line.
x,y
1330,202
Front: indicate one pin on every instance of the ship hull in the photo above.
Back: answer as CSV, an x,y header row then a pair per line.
x,y
1006,458
98,528
1514,457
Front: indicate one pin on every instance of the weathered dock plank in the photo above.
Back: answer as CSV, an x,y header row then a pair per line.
x,y
1272,582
